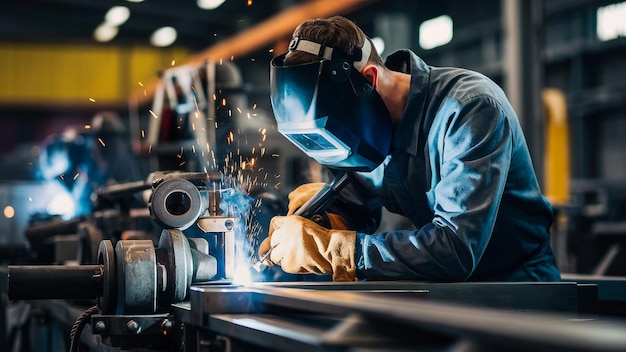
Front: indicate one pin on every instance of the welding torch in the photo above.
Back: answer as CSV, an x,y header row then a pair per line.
x,y
314,208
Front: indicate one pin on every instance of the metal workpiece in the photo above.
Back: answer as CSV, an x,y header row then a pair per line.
x,y
216,223
219,232
563,296
182,200
489,329
220,299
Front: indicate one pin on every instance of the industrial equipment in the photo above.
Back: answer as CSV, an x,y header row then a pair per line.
x,y
133,276
180,294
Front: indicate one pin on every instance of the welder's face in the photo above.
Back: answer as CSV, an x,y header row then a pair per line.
x,y
340,122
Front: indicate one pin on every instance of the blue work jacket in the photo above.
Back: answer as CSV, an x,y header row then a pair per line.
x,y
461,172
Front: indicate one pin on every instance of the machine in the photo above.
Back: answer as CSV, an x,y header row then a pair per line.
x,y
135,276
181,294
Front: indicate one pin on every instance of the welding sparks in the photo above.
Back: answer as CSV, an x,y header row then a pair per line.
x,y
240,161
101,142
92,100
173,62
249,2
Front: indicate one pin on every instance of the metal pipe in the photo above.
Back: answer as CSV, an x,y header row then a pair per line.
x,y
54,282
40,232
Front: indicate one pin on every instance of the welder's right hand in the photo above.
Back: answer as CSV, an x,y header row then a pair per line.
x,y
301,246
302,194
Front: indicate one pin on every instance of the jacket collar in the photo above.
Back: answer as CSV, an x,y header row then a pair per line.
x,y
405,135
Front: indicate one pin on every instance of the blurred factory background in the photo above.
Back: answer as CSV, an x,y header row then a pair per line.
x,y
58,74
96,93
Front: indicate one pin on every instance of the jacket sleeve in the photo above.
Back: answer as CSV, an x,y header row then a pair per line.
x,y
470,150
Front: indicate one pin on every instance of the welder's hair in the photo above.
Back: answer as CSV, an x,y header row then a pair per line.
x,y
335,32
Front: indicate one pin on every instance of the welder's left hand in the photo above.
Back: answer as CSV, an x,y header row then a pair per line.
x,y
300,246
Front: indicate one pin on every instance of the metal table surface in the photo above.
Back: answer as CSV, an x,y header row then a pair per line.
x,y
296,316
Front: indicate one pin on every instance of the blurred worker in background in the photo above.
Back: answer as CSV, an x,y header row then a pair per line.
x,y
441,146
85,159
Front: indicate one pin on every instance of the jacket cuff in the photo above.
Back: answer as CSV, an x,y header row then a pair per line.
x,y
358,255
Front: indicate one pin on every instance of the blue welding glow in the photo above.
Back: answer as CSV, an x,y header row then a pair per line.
x,y
62,204
70,160
237,204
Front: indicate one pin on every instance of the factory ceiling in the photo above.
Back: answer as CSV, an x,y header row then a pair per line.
x,y
74,21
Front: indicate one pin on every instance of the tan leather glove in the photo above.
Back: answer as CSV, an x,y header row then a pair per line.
x,y
300,246
302,194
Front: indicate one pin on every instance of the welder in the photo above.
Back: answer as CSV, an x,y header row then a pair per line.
x,y
441,146
85,159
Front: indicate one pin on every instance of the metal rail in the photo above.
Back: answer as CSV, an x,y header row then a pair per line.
x,y
490,329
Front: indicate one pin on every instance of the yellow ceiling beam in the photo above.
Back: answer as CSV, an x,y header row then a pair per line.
x,y
266,33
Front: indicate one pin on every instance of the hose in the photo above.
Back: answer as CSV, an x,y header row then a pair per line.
x,y
78,327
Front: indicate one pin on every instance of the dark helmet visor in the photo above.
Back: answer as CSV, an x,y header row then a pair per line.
x,y
336,119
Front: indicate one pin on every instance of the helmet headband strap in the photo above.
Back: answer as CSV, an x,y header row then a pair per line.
x,y
326,53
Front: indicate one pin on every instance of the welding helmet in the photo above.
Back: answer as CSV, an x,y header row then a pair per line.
x,y
328,109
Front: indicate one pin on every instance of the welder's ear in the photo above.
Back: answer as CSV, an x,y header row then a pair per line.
x,y
370,72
